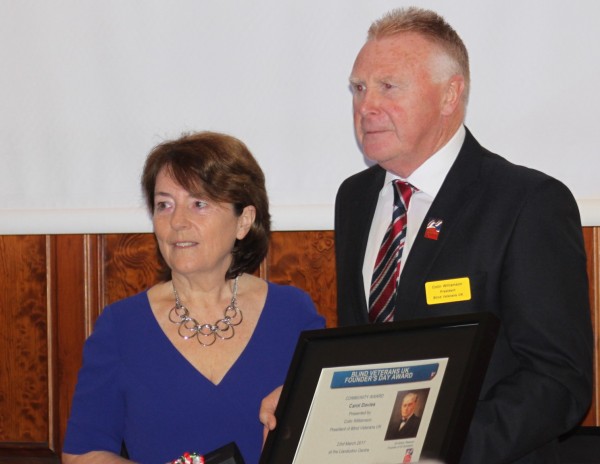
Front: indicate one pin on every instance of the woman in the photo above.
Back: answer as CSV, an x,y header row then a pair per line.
x,y
183,366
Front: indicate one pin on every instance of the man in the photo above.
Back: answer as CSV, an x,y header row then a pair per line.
x,y
409,423
509,236
513,233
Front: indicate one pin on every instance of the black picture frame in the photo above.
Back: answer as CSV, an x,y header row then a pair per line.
x,y
227,454
467,342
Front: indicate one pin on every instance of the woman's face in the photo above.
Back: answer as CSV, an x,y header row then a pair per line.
x,y
195,234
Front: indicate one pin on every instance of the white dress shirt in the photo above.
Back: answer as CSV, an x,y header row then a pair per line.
x,y
428,178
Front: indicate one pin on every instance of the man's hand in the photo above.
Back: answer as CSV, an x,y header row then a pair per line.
x,y
267,411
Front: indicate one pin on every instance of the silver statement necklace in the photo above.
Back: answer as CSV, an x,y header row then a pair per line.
x,y
206,334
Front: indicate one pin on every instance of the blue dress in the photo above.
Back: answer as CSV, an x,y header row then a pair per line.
x,y
135,386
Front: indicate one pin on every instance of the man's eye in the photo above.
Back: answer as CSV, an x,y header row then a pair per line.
x,y
160,205
357,88
200,204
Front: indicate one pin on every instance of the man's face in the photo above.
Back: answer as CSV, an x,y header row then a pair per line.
x,y
408,405
398,109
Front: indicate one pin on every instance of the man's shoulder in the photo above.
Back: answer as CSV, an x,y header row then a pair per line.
x,y
499,170
369,177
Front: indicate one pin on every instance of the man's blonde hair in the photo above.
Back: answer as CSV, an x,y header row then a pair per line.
x,y
430,25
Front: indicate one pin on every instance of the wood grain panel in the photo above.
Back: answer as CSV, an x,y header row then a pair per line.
x,y
131,264
592,247
24,352
306,260
74,289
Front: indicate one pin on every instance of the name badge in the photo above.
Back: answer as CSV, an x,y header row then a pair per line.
x,y
448,291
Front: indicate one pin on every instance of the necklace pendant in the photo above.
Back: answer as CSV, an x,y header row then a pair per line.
x,y
206,334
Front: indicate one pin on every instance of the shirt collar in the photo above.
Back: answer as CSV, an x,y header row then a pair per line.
x,y
428,177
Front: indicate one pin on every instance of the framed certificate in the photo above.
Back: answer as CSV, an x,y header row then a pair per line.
x,y
382,393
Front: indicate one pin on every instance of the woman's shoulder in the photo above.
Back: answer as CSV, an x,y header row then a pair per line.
x,y
118,321
133,301
293,304
291,298
131,307
287,291
264,290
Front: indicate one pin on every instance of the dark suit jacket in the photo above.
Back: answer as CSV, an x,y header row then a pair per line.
x,y
410,429
516,234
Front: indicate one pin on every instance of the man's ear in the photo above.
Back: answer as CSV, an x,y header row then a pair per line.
x,y
453,97
245,221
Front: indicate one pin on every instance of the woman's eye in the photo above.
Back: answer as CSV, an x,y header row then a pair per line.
x,y
160,205
200,204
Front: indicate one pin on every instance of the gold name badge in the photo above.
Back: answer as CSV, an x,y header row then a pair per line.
x,y
448,291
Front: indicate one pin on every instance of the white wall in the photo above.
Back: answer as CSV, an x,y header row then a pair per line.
x,y
88,87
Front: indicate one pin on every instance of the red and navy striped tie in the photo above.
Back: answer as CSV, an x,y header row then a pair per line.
x,y
387,266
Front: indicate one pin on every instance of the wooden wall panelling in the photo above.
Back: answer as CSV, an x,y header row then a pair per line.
x,y
75,285
131,264
27,388
591,237
306,260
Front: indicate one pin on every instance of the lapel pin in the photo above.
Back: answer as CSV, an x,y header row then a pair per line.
x,y
432,231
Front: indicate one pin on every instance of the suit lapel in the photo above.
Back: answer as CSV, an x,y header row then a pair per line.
x,y
363,211
458,189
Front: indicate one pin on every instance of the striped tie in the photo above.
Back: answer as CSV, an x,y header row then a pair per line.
x,y
387,266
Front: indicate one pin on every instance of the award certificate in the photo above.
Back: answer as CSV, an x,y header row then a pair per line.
x,y
382,393
357,411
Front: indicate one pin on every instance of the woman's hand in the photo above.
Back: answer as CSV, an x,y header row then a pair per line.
x,y
267,411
